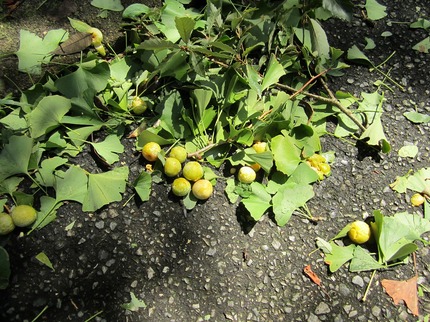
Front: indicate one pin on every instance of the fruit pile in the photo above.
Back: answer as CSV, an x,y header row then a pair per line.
x,y
20,216
319,164
192,179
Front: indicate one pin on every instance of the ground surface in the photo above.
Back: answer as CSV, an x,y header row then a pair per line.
x,y
208,264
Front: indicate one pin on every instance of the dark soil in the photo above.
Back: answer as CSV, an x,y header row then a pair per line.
x,y
212,263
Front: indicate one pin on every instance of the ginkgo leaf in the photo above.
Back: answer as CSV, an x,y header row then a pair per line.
x,y
289,198
45,176
416,117
285,153
375,11
339,8
15,161
274,72
135,304
408,151
76,43
91,74
34,51
339,256
403,291
10,185
143,185
71,185
48,114
109,148
43,258
363,261
47,212
258,202
104,188
185,26
113,5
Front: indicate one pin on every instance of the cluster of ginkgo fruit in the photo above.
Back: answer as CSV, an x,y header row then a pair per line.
x,y
176,162
20,216
319,164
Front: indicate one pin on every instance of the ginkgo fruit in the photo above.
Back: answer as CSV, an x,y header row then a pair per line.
x,y
138,105
246,174
202,189
417,199
23,215
172,167
150,151
96,40
192,171
181,187
178,152
6,224
260,147
359,232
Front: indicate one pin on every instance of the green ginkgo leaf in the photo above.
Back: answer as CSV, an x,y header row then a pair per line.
x,y
48,114
143,185
43,258
47,212
104,188
274,72
113,5
34,51
289,198
15,160
71,185
91,74
45,176
135,304
109,148
258,202
375,11
338,256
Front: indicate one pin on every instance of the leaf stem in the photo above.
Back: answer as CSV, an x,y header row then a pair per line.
x,y
40,313
329,100
368,286
198,153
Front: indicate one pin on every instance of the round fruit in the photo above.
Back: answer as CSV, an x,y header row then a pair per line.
x,y
172,167
417,199
202,189
316,159
179,153
23,215
192,171
260,147
246,174
359,232
325,168
138,105
150,151
255,167
6,224
181,187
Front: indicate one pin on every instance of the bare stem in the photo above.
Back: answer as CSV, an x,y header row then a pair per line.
x,y
198,153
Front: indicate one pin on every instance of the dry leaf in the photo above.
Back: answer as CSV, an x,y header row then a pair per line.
x,y
403,291
314,277
76,43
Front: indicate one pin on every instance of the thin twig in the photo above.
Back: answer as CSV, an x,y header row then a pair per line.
x,y
368,286
292,97
201,151
329,100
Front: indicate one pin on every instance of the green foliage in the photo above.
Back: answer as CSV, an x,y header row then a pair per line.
x,y
394,237
34,51
215,80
